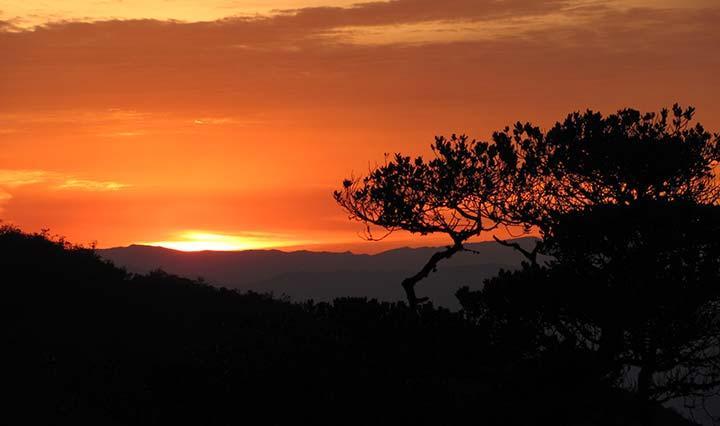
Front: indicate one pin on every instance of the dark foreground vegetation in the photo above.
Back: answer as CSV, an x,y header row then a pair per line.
x,y
615,311
87,343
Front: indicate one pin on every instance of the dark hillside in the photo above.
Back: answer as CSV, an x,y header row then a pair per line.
x,y
87,343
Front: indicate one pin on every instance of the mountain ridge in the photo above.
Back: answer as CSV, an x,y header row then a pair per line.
x,y
325,275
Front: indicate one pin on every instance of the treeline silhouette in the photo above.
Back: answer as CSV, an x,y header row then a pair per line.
x,y
87,343
615,311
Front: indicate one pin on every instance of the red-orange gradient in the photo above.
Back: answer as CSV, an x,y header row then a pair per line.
x,y
232,133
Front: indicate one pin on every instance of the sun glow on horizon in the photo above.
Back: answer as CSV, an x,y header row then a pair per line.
x,y
209,241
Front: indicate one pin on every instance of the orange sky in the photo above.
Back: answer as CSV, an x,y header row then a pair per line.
x,y
228,123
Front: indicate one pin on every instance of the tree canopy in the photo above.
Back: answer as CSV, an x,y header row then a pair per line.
x,y
530,178
460,192
627,209
589,159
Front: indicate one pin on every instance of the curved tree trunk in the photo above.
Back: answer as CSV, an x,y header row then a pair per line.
x,y
410,282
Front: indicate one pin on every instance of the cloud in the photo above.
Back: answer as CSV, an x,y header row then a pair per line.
x,y
9,26
4,197
413,11
219,121
13,179
15,182
362,13
213,121
16,178
138,81
129,134
91,185
241,54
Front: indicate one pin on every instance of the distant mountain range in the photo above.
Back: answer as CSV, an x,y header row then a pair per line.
x,y
322,276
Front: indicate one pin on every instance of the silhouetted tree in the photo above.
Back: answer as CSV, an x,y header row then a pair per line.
x,y
628,200
458,193
627,208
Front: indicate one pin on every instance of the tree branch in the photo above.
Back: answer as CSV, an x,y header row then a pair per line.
x,y
431,265
530,255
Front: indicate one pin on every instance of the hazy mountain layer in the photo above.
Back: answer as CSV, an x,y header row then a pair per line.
x,y
325,275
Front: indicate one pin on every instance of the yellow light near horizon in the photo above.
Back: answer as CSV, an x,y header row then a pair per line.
x,y
208,241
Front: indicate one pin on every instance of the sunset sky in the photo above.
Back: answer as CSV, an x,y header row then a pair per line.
x,y
226,124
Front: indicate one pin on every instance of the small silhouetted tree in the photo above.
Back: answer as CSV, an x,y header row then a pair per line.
x,y
459,193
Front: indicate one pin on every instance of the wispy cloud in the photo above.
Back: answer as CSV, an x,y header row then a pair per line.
x,y
116,123
215,121
4,198
91,185
122,134
12,180
310,55
15,178
77,117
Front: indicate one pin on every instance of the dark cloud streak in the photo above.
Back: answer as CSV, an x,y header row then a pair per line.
x,y
279,62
